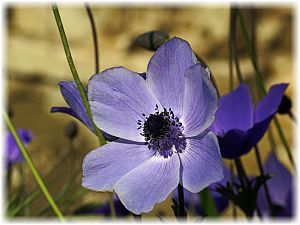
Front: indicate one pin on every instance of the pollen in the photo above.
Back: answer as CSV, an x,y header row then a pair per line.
x,y
162,132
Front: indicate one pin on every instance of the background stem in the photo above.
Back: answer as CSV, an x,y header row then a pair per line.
x,y
74,72
32,167
264,184
95,39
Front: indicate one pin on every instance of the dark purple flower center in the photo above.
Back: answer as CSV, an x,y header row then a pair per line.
x,y
156,126
163,132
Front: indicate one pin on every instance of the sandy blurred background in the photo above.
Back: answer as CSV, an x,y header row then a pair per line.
x,y
35,62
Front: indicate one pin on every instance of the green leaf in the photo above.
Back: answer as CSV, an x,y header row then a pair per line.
x,y
207,203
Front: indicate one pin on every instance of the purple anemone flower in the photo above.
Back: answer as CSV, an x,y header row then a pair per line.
x,y
76,107
238,125
221,202
162,123
12,152
280,189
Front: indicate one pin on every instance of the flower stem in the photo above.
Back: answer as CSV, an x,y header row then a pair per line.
x,y
284,142
181,211
137,218
258,158
230,46
32,167
95,40
293,117
240,172
259,77
235,47
74,71
271,140
234,212
8,180
112,206
246,183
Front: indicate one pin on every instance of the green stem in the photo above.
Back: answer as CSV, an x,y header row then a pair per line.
x,y
33,168
234,211
95,40
284,142
112,206
74,72
8,181
230,47
243,176
235,47
239,171
137,218
272,140
260,166
259,77
292,117
25,203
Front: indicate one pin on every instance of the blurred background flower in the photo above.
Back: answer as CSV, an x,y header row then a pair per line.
x,y
281,189
239,125
12,152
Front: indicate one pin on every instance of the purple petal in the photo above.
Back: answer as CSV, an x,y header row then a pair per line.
x,y
224,181
104,166
12,152
290,203
234,144
268,106
280,186
200,101
281,183
65,110
257,132
118,97
165,73
201,163
73,98
148,184
220,200
72,113
234,111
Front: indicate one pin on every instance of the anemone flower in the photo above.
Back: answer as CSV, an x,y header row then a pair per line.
x,y
162,123
12,151
221,202
239,126
76,107
280,189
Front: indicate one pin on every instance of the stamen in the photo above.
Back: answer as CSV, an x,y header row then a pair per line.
x,y
163,132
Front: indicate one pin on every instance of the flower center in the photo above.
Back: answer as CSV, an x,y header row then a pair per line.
x,y
156,126
163,132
